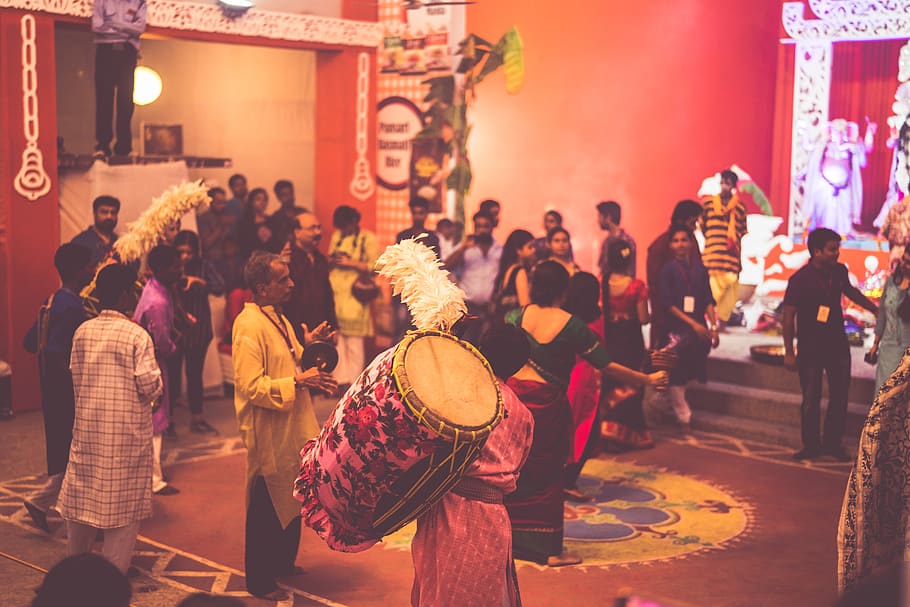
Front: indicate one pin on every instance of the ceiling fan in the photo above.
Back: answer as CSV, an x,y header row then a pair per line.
x,y
410,5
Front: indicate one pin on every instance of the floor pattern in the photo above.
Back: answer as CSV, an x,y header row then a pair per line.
x,y
640,514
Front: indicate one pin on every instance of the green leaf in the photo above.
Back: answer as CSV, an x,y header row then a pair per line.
x,y
758,196
493,62
442,89
460,177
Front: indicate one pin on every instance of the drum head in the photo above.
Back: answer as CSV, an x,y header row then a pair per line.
x,y
450,380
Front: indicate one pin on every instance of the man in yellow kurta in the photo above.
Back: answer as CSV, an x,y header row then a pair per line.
x,y
275,412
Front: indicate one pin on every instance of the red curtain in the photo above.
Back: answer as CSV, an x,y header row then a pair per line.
x,y
863,82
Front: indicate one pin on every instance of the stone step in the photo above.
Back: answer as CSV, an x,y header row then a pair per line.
x,y
749,373
764,432
771,407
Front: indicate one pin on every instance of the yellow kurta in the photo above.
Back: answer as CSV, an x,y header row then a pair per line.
x,y
354,318
275,418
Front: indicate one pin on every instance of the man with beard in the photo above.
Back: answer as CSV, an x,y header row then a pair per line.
x,y
51,338
100,237
311,302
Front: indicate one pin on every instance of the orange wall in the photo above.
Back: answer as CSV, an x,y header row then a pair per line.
x,y
632,101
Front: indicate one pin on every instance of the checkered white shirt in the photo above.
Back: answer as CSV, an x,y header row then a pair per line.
x,y
116,379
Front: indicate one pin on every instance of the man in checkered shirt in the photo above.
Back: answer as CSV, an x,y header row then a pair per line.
x,y
108,482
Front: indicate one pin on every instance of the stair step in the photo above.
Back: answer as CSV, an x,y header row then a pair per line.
x,y
760,431
746,372
768,406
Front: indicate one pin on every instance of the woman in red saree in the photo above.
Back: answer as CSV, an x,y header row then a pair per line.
x,y
555,337
623,425
584,383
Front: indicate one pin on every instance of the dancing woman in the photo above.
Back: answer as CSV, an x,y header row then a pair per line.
x,y
584,383
555,337
625,312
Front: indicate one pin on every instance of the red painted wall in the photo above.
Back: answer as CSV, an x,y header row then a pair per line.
x,y
336,134
632,101
32,227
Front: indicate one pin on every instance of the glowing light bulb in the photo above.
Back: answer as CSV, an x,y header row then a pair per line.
x,y
146,85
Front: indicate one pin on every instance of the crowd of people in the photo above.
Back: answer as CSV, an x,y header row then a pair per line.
x,y
109,382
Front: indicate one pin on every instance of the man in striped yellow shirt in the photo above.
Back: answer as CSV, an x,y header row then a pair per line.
x,y
724,224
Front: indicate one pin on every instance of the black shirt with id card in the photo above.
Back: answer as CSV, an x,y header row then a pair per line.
x,y
816,295
686,286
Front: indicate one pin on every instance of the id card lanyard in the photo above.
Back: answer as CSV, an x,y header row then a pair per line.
x,y
824,311
688,299
282,328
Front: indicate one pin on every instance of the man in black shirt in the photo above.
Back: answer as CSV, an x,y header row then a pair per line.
x,y
813,301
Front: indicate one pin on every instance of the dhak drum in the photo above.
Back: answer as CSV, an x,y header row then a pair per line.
x,y
398,440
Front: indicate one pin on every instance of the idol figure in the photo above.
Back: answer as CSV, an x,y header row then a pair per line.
x,y
834,186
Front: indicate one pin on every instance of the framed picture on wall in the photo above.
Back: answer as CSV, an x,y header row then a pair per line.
x,y
162,139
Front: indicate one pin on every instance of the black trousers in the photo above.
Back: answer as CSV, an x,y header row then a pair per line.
x,y
115,65
836,364
59,407
195,360
270,550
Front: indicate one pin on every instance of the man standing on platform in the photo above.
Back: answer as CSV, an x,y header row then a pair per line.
x,y
311,302
107,485
724,226
609,214
99,237
813,301
276,417
51,338
117,25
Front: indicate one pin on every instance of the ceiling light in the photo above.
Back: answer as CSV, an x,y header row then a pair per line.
x,y
235,8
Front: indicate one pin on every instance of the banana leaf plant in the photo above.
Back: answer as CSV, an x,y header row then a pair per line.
x,y
450,97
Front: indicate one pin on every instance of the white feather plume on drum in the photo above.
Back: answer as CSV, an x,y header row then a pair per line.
x,y
409,426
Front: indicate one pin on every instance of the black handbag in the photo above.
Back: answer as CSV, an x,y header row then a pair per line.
x,y
364,288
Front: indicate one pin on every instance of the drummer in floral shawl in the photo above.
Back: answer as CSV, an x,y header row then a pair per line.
x,y
275,412
463,547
